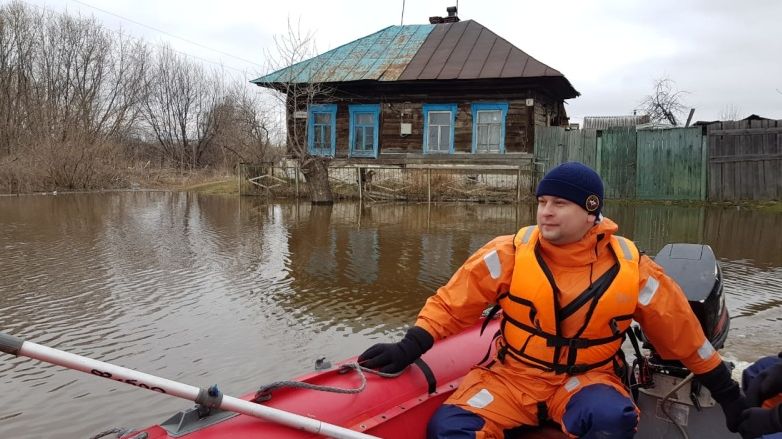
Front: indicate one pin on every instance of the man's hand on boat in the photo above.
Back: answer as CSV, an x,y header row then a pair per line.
x,y
395,357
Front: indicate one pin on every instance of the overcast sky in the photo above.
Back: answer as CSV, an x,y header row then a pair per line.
x,y
724,53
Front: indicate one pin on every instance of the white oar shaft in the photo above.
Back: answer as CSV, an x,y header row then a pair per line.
x,y
181,390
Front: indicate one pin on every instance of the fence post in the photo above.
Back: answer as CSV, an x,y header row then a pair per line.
x,y
518,186
358,179
429,185
705,169
599,155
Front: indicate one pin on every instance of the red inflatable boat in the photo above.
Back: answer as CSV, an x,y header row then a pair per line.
x,y
396,407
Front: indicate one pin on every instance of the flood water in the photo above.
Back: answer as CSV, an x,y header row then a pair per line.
x,y
240,292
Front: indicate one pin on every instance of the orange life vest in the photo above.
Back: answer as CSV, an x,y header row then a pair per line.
x,y
532,314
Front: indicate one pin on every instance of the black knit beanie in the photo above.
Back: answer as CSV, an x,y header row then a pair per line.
x,y
576,182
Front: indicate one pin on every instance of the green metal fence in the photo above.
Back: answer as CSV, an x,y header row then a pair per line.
x,y
554,145
617,161
646,164
672,164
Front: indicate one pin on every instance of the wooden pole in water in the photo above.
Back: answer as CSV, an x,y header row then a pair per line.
x,y
518,186
429,185
296,178
358,179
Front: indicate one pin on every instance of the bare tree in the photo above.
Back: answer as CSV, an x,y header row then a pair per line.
x,y
665,103
298,88
730,112
241,128
68,89
178,106
19,34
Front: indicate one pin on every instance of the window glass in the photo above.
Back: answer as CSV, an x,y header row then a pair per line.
x,y
322,118
439,117
365,119
364,126
440,130
489,116
369,137
488,130
445,138
320,129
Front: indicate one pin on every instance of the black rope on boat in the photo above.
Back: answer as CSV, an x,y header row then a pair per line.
x,y
264,393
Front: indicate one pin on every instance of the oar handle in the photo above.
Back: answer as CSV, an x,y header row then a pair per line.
x,y
16,346
10,344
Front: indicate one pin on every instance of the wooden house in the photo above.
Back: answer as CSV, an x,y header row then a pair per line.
x,y
446,92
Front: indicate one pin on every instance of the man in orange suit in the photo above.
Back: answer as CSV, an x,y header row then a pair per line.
x,y
568,289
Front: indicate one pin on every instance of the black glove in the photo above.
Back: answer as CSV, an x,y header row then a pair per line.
x,y
767,384
756,422
727,393
394,357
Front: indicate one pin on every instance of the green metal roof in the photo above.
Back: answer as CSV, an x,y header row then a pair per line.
x,y
382,56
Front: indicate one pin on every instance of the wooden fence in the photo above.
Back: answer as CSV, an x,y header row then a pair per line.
x,y
745,160
617,161
671,164
659,164
733,161
554,145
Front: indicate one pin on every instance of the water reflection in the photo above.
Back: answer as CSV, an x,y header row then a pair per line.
x,y
209,289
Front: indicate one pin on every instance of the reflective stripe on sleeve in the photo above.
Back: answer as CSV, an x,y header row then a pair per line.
x,y
706,350
647,292
571,384
492,262
481,399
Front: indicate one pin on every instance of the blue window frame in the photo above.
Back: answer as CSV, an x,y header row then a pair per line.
x,y
488,127
364,127
439,121
322,129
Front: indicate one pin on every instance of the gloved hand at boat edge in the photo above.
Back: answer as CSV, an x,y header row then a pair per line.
x,y
767,384
395,357
756,422
727,393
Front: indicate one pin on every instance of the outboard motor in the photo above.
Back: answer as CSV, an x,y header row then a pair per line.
x,y
672,403
694,267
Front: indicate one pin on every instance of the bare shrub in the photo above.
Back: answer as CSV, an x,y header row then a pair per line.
x,y
665,103
75,165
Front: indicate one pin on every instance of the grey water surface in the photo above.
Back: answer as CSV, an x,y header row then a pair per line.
x,y
243,291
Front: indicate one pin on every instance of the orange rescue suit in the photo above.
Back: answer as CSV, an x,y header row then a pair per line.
x,y
532,315
506,267
541,288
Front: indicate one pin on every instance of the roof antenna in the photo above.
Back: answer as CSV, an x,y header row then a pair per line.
x,y
402,22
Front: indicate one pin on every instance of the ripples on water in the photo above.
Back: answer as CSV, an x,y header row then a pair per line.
x,y
238,292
